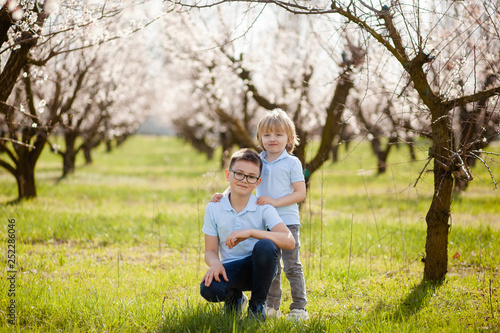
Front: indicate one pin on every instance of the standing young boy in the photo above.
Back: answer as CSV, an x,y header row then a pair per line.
x,y
241,252
283,186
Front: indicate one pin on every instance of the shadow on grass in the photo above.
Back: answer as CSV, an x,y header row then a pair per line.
x,y
15,202
210,318
417,299
205,319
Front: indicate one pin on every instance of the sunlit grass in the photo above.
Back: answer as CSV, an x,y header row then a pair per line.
x,y
118,244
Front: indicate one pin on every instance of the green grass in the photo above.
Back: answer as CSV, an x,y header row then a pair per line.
x,y
117,247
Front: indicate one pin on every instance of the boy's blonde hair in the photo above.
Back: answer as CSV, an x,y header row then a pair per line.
x,y
278,120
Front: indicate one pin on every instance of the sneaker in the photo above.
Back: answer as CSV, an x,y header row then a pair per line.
x,y
258,312
298,314
237,306
272,312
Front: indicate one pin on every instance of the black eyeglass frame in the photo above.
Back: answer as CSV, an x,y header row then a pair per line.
x,y
243,176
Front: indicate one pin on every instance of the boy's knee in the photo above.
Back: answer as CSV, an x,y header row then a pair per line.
x,y
209,293
265,250
265,245
294,270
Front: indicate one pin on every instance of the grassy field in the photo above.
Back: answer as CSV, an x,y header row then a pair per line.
x,y
117,247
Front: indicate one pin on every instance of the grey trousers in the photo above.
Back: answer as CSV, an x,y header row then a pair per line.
x,y
294,274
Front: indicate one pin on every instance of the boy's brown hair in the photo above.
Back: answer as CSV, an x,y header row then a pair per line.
x,y
246,154
278,120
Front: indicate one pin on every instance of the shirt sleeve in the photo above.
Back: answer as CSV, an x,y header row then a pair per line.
x,y
296,173
209,225
270,217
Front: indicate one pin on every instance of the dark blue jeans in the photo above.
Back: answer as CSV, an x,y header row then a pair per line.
x,y
253,273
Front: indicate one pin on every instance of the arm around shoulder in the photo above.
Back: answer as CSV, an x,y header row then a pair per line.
x,y
298,195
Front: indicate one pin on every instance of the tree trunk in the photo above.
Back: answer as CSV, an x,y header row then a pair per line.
x,y
120,139
109,146
300,150
87,152
438,216
332,124
382,154
335,152
69,156
25,178
5,23
226,143
25,166
16,62
25,175
202,146
411,146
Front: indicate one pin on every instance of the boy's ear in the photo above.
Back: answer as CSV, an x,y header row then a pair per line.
x,y
258,182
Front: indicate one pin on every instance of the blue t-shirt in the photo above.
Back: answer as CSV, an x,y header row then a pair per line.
x,y
221,219
277,179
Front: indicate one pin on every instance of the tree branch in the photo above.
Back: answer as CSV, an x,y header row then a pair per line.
x,y
245,75
487,167
16,142
3,148
8,167
462,101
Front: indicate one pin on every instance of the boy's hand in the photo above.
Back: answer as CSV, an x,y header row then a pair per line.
x,y
214,272
237,237
216,197
264,200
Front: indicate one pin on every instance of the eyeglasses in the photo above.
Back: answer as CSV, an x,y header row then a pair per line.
x,y
241,176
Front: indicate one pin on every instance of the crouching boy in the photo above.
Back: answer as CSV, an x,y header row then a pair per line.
x,y
242,240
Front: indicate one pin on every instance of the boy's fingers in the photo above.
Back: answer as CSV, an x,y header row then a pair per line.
x,y
231,241
207,280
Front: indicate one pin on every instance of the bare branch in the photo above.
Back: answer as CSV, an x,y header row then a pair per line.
x,y
488,168
461,101
18,142
8,167
9,153
464,168
421,172
485,152
53,53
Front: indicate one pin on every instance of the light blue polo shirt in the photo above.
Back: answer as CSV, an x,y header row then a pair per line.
x,y
277,179
221,219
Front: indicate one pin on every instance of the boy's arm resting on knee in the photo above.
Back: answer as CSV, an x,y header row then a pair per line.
x,y
212,259
280,235
285,238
